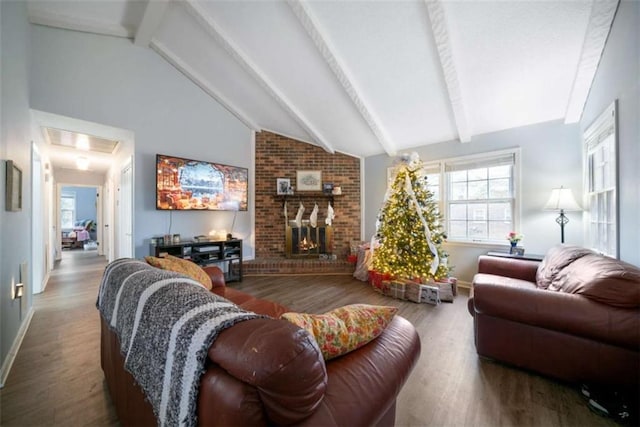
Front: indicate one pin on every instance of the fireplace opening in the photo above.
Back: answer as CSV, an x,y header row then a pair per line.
x,y
307,241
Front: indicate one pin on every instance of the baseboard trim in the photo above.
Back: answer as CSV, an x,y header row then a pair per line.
x,y
45,280
13,351
463,284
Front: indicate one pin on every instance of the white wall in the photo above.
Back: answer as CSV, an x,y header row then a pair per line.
x,y
618,77
110,81
15,227
77,177
550,156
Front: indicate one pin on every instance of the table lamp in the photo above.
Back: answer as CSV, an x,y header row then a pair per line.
x,y
562,200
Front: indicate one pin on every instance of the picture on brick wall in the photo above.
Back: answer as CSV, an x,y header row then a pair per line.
x,y
283,186
309,180
327,187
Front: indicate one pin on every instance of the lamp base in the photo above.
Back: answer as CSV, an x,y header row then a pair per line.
x,y
562,220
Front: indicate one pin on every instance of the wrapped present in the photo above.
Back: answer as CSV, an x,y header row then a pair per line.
x,y
430,295
377,285
454,285
385,287
413,291
398,289
375,278
445,290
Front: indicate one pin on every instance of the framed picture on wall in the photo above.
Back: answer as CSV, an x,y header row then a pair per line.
x,y
13,195
283,186
309,180
327,187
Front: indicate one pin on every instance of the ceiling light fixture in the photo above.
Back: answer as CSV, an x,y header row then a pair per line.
x,y
82,163
82,142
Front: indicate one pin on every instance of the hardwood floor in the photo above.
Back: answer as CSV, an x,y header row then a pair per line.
x,y
57,380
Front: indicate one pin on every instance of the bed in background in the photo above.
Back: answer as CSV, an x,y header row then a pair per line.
x,y
83,232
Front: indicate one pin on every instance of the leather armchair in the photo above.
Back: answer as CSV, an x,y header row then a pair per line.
x,y
572,336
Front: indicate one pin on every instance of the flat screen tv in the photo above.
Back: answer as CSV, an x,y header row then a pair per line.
x,y
185,184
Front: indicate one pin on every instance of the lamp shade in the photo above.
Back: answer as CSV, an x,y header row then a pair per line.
x,y
562,199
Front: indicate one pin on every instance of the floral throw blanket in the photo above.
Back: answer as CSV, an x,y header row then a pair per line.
x,y
166,323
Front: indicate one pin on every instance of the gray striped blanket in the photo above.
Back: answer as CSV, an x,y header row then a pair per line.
x,y
166,323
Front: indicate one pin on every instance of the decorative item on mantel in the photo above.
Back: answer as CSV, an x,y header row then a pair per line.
x,y
283,187
309,180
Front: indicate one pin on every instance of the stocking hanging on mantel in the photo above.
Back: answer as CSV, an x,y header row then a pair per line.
x,y
330,215
409,226
313,218
286,214
299,215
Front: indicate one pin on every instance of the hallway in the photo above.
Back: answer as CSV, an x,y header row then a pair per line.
x,y
55,379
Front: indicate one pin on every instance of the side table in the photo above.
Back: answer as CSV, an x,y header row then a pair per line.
x,y
528,257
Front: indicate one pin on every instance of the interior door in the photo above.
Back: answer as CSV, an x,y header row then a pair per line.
x,y
108,220
126,212
38,246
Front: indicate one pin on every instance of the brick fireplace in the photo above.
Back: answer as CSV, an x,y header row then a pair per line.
x,y
280,157
307,241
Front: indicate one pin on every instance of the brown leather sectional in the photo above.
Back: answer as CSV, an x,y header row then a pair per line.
x,y
287,382
575,316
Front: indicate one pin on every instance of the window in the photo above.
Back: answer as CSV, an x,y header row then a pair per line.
x,y
67,210
480,204
477,195
600,183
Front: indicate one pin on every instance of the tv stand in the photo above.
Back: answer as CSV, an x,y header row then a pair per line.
x,y
226,254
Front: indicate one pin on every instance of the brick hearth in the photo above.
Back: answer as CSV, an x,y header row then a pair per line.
x,y
276,266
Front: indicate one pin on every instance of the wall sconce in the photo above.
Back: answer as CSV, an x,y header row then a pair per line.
x,y
18,290
562,200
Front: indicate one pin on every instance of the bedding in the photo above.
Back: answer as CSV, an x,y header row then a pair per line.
x,y
81,233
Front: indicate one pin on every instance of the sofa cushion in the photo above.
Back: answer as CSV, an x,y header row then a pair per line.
x,y
499,281
264,307
235,296
344,329
601,278
555,260
183,266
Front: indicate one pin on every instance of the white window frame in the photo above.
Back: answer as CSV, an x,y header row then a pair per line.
x,y
443,202
601,218
68,195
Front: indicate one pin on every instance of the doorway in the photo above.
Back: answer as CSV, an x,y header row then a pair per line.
x,y
63,143
79,208
39,260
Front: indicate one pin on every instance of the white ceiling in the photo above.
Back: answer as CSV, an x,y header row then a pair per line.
x,y
368,77
68,138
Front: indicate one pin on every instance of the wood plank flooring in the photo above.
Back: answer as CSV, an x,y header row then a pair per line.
x,y
56,379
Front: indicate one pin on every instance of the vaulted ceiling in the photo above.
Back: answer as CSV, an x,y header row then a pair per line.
x,y
368,77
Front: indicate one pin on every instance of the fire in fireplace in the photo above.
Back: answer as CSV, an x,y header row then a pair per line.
x,y
307,241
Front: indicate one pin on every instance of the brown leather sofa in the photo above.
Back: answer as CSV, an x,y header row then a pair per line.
x,y
575,316
288,383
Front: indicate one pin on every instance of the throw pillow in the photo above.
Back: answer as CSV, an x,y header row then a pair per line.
x,y
183,266
344,329
603,279
557,258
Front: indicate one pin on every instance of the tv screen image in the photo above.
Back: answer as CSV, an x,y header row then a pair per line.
x,y
185,184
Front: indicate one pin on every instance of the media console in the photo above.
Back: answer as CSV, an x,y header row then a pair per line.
x,y
226,254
